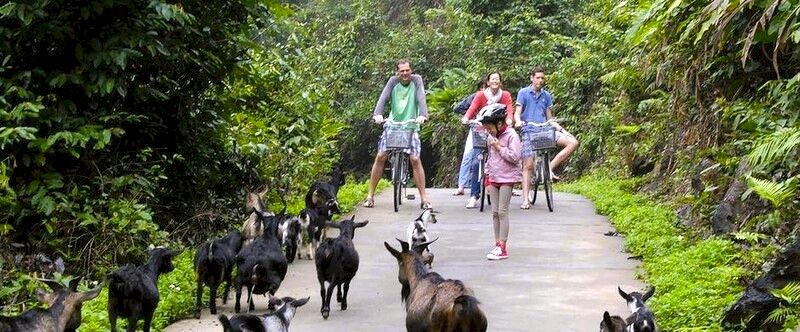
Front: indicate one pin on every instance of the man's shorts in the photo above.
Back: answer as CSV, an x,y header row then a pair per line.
x,y
527,147
416,145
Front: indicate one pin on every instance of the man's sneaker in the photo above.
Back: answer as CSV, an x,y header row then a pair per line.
x,y
496,252
473,203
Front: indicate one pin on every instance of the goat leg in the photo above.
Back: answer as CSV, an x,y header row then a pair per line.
x,y
212,300
197,301
327,306
251,306
147,320
112,320
227,288
339,293
238,286
322,293
132,321
344,298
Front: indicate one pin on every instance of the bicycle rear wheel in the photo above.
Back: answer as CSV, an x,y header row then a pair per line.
x,y
397,180
482,182
548,182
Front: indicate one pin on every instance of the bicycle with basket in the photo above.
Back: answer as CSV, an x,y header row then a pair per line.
x,y
479,143
399,138
543,141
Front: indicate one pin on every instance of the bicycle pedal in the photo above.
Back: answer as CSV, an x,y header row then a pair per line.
x,y
410,197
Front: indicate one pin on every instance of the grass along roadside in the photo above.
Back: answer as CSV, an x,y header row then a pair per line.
x,y
177,288
696,281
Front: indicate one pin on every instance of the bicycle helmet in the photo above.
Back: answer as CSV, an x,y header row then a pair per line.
x,y
493,113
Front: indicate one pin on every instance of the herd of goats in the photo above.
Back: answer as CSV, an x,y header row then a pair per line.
x,y
260,254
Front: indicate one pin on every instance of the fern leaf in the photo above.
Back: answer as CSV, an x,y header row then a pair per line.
x,y
776,193
774,147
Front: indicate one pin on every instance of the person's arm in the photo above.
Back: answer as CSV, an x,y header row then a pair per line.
x,y
477,103
422,104
506,100
385,95
518,110
549,114
465,104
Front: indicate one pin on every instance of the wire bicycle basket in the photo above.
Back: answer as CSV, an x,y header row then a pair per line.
x,y
478,138
398,138
541,140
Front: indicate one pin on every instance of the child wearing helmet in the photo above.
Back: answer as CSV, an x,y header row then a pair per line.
x,y
503,171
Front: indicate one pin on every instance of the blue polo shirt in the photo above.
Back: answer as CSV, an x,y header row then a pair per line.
x,y
534,105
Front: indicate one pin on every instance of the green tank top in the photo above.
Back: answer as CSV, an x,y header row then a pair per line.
x,y
404,104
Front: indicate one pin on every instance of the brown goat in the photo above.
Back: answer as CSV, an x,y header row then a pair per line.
x,y
433,303
64,313
612,323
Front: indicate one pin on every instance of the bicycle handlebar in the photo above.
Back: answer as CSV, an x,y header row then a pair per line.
x,y
390,121
542,124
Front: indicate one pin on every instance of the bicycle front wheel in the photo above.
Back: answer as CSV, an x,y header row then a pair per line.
x,y
481,176
535,180
548,183
397,180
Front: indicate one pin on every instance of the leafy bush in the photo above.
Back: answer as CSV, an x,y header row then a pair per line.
x,y
696,281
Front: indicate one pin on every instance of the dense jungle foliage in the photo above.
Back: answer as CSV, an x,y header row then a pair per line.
x,y
127,124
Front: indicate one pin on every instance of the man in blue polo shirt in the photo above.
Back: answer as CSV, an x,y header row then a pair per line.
x,y
534,104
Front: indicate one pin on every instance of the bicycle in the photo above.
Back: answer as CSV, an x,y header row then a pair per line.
x,y
398,139
543,142
479,143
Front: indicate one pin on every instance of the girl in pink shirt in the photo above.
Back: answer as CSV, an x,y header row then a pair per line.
x,y
503,171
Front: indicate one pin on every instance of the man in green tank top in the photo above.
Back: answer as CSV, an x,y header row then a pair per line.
x,y
406,95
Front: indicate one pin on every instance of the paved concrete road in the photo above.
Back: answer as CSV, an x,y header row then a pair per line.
x,y
561,275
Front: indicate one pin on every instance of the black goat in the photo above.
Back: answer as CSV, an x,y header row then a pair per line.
x,y
642,318
213,264
133,291
433,303
337,263
276,321
261,264
325,193
63,314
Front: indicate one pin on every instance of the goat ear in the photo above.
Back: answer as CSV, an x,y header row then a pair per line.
x,y
361,224
623,294
73,284
392,251
42,296
403,245
607,320
226,324
421,246
300,302
88,295
648,294
54,285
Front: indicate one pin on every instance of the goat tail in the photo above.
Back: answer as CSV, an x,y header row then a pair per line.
x,y
467,315
116,283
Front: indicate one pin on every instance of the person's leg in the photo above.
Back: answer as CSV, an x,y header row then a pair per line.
x,y
475,184
419,178
569,144
493,192
527,172
375,176
466,162
504,199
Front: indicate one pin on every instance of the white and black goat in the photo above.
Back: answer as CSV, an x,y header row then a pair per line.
x,y
261,264
63,313
290,230
313,220
214,264
133,290
253,226
337,263
417,233
642,318
274,321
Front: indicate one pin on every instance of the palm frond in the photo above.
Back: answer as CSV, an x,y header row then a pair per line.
x,y
775,147
776,193
789,293
780,314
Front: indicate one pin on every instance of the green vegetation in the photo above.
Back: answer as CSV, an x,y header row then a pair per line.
x,y
695,279
125,125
